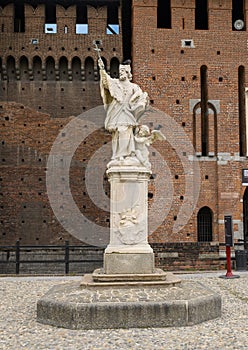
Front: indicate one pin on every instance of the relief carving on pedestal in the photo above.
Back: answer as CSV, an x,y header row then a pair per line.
x,y
130,228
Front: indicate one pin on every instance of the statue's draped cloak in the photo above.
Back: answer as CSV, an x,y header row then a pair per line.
x,y
124,104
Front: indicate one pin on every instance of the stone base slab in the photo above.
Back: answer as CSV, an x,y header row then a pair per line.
x,y
128,263
158,277
75,307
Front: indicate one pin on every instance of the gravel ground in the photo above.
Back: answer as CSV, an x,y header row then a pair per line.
x,y
19,329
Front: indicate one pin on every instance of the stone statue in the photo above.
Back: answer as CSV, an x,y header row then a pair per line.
x,y
144,137
124,103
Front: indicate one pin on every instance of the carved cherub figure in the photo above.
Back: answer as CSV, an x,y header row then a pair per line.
x,y
144,137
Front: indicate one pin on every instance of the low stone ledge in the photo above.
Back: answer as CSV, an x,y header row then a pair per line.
x,y
71,306
157,276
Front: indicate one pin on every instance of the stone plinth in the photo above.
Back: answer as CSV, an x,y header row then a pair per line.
x,y
134,263
91,305
99,275
128,251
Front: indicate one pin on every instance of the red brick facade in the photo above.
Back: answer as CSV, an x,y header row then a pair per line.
x,y
170,72
186,72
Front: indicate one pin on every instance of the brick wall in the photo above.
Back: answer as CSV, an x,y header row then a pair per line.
x,y
170,74
36,109
187,256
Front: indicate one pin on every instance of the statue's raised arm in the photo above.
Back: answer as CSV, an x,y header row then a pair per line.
x,y
124,103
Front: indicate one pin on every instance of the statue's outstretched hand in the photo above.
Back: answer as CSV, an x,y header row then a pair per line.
x,y
100,63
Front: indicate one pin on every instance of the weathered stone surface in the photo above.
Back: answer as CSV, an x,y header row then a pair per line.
x,y
158,277
74,307
128,263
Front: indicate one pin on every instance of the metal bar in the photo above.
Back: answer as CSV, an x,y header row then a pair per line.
x,y
67,257
17,257
42,261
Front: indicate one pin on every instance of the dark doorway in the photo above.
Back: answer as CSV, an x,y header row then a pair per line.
x,y
204,225
245,217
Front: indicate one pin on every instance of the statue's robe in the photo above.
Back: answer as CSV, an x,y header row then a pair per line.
x,y
124,103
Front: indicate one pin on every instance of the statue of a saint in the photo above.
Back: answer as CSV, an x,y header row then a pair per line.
x,y
124,103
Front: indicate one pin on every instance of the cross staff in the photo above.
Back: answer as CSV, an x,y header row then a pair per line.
x,y
98,50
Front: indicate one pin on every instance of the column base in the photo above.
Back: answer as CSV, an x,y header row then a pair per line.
x,y
128,263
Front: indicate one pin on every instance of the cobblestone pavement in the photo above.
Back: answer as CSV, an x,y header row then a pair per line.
x,y
19,329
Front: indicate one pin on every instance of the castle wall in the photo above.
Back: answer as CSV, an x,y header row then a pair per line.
x,y
195,77
167,64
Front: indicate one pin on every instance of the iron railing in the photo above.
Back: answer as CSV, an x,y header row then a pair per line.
x,y
67,257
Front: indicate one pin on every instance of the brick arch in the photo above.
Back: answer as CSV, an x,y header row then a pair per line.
x,y
37,67
50,68
114,67
63,68
205,225
23,66
212,133
89,68
11,67
76,68
97,12
7,8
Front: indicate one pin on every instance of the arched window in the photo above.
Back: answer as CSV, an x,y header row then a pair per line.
x,y
208,121
50,68
76,68
37,68
242,113
245,217
204,110
89,69
24,68
204,225
63,68
114,67
11,71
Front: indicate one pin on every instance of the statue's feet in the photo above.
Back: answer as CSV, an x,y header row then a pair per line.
x,y
124,161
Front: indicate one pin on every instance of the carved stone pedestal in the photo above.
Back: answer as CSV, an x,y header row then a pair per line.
x,y
128,251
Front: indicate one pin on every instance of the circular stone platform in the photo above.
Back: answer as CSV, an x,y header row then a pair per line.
x,y
76,306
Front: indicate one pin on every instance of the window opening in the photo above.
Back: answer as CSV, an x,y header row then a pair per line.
x,y
50,18
11,71
204,111
114,67
24,68
19,17
204,225
242,116
112,19
187,43
164,14
201,14
82,19
50,68
76,68
89,69
238,17
63,68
